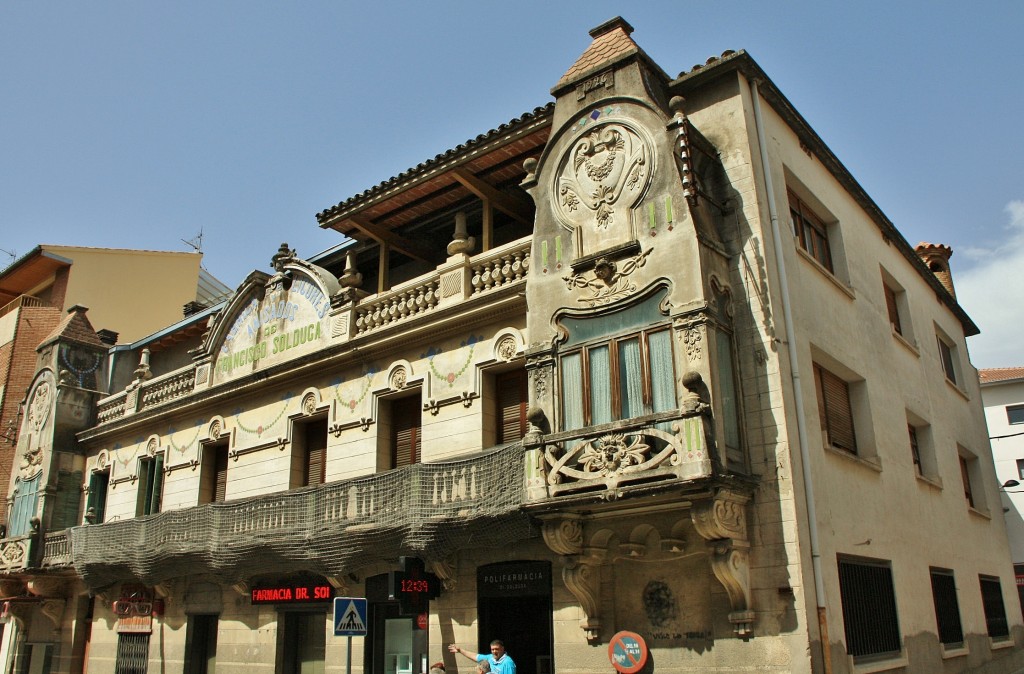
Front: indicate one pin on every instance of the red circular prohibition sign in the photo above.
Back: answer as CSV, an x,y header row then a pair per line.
x,y
627,652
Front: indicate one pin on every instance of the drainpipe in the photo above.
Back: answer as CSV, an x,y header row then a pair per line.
x,y
798,396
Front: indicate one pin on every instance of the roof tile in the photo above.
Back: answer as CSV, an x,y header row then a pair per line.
x,y
997,374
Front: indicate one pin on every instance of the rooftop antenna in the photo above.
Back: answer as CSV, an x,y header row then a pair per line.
x,y
195,242
11,254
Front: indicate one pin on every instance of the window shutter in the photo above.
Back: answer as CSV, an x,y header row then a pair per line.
x,y
511,396
316,446
405,422
220,477
834,407
890,305
156,484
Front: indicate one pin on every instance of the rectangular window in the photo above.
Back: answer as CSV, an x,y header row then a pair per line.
x,y
947,609
995,610
151,484
309,453
869,609
948,357
406,431
201,644
1015,414
915,449
893,309
96,503
834,410
213,478
1020,469
621,378
965,476
811,233
511,402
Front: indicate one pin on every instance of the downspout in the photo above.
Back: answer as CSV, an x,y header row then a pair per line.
x,y
798,396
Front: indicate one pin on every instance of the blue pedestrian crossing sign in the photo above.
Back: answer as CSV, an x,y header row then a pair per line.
x,y
349,617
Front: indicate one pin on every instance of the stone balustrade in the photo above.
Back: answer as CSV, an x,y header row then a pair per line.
x,y
167,387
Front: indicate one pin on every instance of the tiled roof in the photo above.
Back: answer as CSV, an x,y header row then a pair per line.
x,y
466,148
75,327
611,42
996,374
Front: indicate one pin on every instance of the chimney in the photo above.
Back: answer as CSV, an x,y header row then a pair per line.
x,y
107,336
936,256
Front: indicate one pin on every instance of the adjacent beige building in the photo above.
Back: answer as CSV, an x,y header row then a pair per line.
x,y
644,366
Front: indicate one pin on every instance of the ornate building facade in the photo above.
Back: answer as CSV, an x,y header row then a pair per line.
x,y
646,359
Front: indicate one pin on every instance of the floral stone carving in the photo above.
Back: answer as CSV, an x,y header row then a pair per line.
x,y
605,172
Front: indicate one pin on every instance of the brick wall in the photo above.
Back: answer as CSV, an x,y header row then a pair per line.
x,y
18,365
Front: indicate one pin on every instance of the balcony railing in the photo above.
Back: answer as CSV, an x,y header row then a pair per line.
x,y
56,549
22,301
425,509
669,445
484,273
167,387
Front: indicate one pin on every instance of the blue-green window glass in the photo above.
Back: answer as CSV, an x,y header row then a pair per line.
x,y
631,379
663,383
626,377
572,392
600,386
24,508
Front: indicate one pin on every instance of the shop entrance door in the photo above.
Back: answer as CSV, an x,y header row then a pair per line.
x,y
514,605
392,644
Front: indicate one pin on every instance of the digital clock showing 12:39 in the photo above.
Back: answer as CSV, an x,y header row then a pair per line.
x,y
414,585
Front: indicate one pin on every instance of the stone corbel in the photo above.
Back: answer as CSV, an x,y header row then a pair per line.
x,y
445,570
581,570
564,535
339,584
53,609
722,522
46,587
582,576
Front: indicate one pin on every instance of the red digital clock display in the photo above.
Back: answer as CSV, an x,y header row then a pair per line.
x,y
414,585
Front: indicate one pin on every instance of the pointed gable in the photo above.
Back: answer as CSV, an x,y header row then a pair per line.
x,y
612,43
75,327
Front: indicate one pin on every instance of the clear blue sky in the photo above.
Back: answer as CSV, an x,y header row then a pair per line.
x,y
136,124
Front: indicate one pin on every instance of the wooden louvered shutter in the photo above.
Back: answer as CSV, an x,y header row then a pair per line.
x,y
893,309
405,425
316,447
835,409
511,397
220,476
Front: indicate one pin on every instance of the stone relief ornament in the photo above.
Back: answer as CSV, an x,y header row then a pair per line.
x,y
606,167
608,281
398,378
309,404
39,408
691,339
507,348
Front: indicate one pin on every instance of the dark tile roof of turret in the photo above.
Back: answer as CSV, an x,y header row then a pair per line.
x,y
75,327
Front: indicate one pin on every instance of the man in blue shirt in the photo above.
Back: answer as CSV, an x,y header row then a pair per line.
x,y
498,659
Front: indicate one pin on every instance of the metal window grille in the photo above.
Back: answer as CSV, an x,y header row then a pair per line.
x,y
995,611
132,654
869,608
947,609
